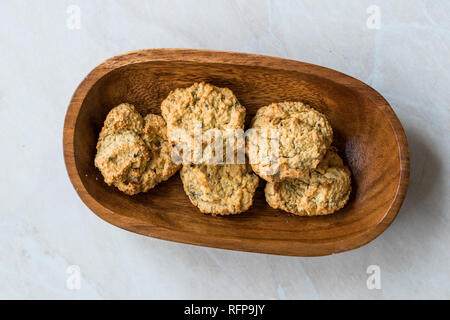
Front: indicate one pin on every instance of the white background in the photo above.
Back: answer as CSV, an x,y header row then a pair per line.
x,y
44,226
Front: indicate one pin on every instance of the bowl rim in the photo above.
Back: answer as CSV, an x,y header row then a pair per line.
x,y
296,248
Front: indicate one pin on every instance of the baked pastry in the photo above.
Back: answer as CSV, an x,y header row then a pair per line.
x,y
133,153
220,189
122,158
160,166
124,117
288,140
325,190
195,110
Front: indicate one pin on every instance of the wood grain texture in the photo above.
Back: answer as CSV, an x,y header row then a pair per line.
x,y
367,132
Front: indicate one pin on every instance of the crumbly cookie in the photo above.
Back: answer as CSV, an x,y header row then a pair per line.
x,y
133,153
303,136
122,158
160,167
199,108
220,189
324,191
123,117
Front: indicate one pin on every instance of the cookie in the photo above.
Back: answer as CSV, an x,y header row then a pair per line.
x,y
197,109
300,137
324,191
122,158
133,153
160,167
220,189
123,117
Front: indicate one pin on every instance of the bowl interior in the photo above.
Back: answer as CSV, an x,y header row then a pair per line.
x,y
362,133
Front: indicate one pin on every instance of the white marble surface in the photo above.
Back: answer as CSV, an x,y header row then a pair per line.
x,y
44,226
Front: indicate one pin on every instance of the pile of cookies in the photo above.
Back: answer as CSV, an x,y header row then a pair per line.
x,y
311,178
135,153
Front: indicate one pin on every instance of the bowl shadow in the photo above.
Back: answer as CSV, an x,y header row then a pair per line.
x,y
425,170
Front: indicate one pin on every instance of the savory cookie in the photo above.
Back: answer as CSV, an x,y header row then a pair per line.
x,y
324,191
303,136
220,189
132,152
199,108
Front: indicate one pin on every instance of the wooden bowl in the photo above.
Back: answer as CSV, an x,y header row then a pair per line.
x,y
367,132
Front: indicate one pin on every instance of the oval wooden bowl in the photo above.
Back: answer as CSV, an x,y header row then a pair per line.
x,y
367,132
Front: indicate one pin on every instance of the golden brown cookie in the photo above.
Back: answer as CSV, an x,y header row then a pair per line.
x,y
322,192
300,137
123,117
122,158
133,153
220,189
199,108
160,167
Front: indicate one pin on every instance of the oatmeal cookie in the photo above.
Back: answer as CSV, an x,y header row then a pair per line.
x,y
122,158
160,167
199,108
303,136
324,191
220,189
133,153
121,118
